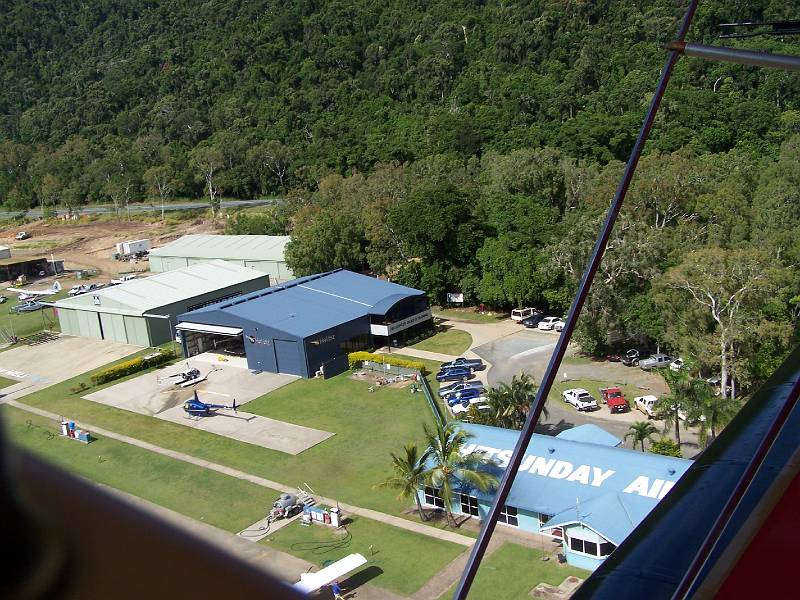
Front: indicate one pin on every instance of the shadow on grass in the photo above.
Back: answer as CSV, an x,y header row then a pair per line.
x,y
362,577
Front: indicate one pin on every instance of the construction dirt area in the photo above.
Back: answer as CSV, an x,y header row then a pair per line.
x,y
156,394
89,242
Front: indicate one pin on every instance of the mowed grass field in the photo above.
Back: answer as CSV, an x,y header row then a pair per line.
x,y
367,427
208,496
4,382
22,324
451,341
398,560
593,387
471,315
513,571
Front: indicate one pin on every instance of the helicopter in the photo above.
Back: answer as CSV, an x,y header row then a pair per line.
x,y
195,408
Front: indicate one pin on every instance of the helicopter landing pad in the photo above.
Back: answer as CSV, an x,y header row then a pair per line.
x,y
156,394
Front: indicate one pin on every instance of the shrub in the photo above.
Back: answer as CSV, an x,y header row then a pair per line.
x,y
356,358
666,447
132,366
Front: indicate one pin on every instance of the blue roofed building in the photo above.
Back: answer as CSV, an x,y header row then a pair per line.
x,y
308,324
590,433
586,494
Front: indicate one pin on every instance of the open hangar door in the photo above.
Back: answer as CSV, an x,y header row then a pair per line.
x,y
199,338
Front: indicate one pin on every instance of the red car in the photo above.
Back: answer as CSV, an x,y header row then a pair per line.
x,y
615,399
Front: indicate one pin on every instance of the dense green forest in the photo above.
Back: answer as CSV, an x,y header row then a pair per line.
x,y
454,146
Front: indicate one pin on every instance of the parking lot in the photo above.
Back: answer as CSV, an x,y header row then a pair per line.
x,y
529,350
156,394
37,367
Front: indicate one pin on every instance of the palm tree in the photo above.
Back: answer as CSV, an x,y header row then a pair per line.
x,y
450,467
641,431
509,404
715,413
409,475
680,399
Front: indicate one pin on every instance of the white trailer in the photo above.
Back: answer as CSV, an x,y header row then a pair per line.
x,y
132,248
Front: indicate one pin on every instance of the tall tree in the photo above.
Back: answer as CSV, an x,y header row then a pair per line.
x,y
161,180
450,468
409,475
641,432
509,403
209,161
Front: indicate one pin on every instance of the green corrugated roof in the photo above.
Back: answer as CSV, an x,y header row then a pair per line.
x,y
226,247
162,289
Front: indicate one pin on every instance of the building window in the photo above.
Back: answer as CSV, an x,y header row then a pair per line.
x,y
509,516
607,548
433,497
590,547
543,518
576,544
358,342
469,505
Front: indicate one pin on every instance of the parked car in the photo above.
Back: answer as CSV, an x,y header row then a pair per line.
x,y
646,404
22,235
454,374
580,399
28,306
548,323
615,399
520,314
532,321
559,325
463,396
449,390
656,361
676,365
716,383
476,364
632,357
463,407
3,299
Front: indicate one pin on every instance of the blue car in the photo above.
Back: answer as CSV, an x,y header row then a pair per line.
x,y
454,374
475,364
463,396
449,390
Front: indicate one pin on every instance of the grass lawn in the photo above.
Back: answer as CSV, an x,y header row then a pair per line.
x,y
513,571
4,383
368,426
451,341
399,561
208,496
469,314
577,359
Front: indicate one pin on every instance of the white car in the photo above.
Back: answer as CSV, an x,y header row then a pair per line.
x,y
548,323
559,325
580,399
676,365
462,408
22,235
519,314
646,404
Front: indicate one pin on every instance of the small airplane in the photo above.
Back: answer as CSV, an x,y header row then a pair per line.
x,y
189,376
195,408
34,294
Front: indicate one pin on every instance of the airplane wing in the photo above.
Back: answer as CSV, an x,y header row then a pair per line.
x,y
311,582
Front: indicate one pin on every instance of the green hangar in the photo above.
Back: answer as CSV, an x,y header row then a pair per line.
x,y
143,312
260,252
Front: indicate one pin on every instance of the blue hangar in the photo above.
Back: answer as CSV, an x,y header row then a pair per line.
x,y
308,324
577,487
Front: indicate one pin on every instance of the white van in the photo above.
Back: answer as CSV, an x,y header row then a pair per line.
x,y
518,314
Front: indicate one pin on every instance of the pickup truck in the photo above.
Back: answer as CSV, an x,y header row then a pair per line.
x,y
449,390
646,404
656,361
615,399
476,364
580,399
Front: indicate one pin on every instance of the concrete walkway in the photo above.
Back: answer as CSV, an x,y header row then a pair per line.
x,y
448,536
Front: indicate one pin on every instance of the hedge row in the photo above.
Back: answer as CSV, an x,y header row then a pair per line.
x,y
356,358
132,366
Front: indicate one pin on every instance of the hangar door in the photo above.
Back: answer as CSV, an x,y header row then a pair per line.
x,y
287,357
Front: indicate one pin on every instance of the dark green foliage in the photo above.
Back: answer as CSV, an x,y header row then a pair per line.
x,y
666,447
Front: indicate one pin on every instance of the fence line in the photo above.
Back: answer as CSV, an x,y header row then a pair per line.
x,y
435,409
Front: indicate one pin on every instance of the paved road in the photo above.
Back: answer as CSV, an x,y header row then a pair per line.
x,y
142,208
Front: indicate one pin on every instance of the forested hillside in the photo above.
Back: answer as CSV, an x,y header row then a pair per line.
x,y
455,146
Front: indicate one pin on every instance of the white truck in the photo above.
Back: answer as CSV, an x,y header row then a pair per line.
x,y
133,248
580,399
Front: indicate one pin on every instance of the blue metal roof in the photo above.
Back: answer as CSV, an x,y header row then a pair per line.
x,y
609,489
590,434
307,305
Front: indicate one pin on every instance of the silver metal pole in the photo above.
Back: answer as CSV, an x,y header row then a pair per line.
x,y
734,55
